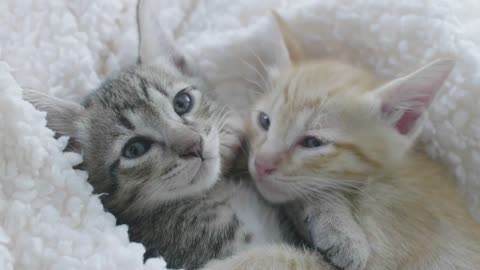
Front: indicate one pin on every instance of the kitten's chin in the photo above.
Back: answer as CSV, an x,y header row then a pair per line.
x,y
204,179
267,186
207,175
200,180
202,176
272,192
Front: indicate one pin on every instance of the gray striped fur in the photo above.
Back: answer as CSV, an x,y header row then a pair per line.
x,y
180,208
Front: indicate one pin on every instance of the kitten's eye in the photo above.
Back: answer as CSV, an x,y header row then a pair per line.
x,y
312,142
263,120
136,147
182,103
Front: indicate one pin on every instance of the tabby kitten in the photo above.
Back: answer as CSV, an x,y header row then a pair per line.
x,y
331,131
153,143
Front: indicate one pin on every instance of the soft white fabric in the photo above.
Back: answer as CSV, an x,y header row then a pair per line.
x,y
48,217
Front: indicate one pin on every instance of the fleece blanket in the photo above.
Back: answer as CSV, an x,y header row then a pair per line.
x,y
49,218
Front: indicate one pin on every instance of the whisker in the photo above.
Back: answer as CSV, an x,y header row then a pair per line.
x,y
245,149
269,85
218,118
160,185
259,89
324,104
323,180
315,188
265,82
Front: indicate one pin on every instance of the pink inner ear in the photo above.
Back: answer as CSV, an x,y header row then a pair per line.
x,y
407,121
180,63
405,124
412,95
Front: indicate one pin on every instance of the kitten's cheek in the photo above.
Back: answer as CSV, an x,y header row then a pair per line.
x,y
251,167
230,149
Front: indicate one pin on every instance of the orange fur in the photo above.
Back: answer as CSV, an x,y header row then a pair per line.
x,y
408,205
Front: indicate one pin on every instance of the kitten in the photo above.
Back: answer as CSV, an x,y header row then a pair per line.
x,y
334,131
325,220
153,142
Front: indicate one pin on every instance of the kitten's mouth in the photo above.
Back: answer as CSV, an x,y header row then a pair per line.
x,y
193,176
271,190
197,173
203,165
200,166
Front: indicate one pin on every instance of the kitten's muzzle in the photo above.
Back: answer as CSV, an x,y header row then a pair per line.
x,y
195,150
265,167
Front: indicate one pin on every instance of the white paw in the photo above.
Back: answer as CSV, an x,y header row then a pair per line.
x,y
219,265
239,262
345,250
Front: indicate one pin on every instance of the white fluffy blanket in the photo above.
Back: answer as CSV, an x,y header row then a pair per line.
x,y
48,217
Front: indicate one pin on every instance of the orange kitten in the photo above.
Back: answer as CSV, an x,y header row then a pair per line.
x,y
331,130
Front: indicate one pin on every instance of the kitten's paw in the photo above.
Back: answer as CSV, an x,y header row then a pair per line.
x,y
220,265
345,253
275,257
231,139
345,250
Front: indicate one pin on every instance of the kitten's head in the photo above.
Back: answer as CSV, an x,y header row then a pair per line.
x,y
149,134
328,125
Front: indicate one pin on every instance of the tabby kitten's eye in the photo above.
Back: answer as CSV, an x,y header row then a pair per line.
x,y
182,103
312,142
136,147
264,120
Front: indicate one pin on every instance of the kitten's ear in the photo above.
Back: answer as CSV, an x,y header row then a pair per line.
x,y
63,116
295,51
156,47
404,100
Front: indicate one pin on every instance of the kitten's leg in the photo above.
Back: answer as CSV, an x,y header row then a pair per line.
x,y
271,258
332,230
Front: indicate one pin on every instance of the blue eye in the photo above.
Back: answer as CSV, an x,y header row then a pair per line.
x,y
182,103
136,147
264,120
312,142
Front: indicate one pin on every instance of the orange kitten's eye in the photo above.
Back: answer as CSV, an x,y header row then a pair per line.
x,y
263,120
312,142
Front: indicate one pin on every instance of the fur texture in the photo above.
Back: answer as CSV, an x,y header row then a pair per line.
x,y
66,48
276,257
153,143
335,131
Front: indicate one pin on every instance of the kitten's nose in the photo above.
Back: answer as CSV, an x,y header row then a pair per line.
x,y
265,166
194,150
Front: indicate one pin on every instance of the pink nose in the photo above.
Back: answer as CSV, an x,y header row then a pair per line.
x,y
265,167
194,150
